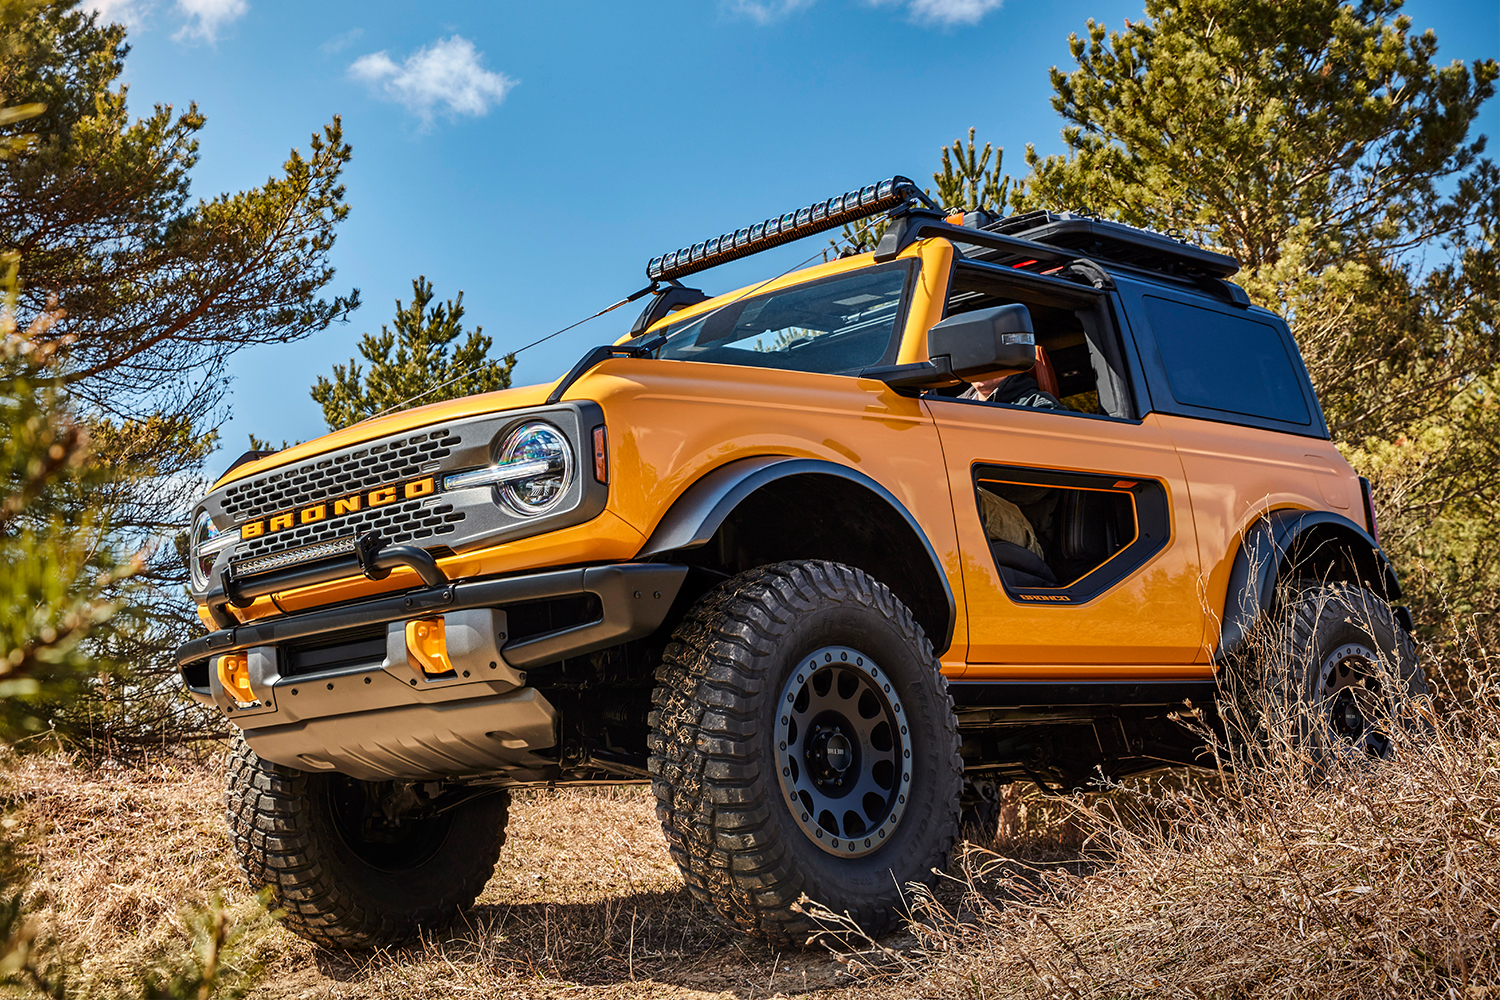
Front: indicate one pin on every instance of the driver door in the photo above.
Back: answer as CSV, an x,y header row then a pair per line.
x,y
1082,554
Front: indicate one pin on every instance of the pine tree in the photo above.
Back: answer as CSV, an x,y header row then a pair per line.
x,y
972,185
157,291
420,361
966,182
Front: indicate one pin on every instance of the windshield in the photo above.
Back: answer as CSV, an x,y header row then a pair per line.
x,y
838,325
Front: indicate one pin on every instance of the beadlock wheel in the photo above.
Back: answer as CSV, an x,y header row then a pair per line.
x,y
844,751
1355,710
804,744
1341,678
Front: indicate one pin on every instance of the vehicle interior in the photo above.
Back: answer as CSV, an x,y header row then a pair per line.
x,y
1072,531
836,325
1079,358
1052,535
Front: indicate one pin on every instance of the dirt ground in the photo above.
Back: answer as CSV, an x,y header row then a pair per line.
x,y
585,901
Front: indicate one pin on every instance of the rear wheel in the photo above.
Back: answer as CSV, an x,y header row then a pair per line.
x,y
1342,676
803,741
355,864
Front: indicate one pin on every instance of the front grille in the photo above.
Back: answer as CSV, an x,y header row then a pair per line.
x,y
377,464
397,523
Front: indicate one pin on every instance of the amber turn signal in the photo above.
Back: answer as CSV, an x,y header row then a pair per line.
x,y
601,454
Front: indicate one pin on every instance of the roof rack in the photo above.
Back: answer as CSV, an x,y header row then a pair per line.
x,y
1054,238
1036,241
1100,238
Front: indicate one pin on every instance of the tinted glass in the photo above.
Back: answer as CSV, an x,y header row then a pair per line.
x,y
1229,363
836,326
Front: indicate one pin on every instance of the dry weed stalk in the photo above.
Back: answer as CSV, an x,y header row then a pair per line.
x,y
1297,873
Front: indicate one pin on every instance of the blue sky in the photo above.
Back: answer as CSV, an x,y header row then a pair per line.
x,y
536,155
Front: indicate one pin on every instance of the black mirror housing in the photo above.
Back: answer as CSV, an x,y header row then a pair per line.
x,y
985,342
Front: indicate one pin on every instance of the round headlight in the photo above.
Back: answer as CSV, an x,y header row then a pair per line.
x,y
544,444
199,562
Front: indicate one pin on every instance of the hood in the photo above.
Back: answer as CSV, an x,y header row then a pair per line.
x,y
394,423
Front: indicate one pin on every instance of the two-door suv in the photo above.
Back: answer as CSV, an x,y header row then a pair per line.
x,y
794,556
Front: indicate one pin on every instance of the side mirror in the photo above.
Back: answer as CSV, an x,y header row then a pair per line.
x,y
985,342
967,348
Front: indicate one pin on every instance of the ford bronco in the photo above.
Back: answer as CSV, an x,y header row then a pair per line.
x,y
769,552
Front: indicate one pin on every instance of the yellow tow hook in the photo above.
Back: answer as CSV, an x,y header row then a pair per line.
x,y
427,641
234,675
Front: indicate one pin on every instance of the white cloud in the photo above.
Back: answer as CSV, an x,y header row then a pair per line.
x,y
947,12
131,13
206,17
445,75
939,12
766,11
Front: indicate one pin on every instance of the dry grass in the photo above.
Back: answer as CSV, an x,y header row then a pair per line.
x,y
119,857
1365,882
585,901
1330,880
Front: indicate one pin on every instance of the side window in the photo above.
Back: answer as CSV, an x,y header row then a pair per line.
x,y
1234,364
1079,362
1067,537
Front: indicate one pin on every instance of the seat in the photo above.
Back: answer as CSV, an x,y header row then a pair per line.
x,y
1045,374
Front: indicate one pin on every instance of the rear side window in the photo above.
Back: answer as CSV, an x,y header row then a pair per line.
x,y
1229,363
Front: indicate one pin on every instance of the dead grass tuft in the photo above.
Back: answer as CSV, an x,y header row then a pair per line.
x,y
1300,878
119,855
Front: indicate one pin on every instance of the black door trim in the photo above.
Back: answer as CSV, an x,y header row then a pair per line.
x,y
1153,523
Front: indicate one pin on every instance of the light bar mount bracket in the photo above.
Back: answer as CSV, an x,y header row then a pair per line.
x,y
909,224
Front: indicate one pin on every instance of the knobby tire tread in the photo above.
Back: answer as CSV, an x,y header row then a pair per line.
x,y
715,806
280,848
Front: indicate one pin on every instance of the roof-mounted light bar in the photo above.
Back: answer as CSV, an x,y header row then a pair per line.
x,y
816,218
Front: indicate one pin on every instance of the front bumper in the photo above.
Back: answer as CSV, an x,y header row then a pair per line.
x,y
335,689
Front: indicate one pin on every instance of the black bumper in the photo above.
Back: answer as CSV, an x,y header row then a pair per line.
x,y
635,598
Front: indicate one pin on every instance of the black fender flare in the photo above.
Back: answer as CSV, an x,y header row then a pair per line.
x,y
703,507
1274,545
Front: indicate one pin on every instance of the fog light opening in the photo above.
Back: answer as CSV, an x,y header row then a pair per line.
x,y
234,675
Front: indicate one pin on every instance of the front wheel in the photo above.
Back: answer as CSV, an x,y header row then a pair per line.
x,y
803,741
349,862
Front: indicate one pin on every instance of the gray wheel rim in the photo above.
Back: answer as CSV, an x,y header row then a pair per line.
x,y
1355,710
843,751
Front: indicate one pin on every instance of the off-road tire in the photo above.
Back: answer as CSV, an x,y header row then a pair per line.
x,y
1340,675
714,769
286,840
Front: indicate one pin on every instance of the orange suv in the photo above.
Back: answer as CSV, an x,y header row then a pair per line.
x,y
771,553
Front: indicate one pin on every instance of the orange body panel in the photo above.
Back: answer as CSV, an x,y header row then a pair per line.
x,y
671,422
1235,474
1153,616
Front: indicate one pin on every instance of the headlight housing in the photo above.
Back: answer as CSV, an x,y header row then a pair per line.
x,y
534,471
204,544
